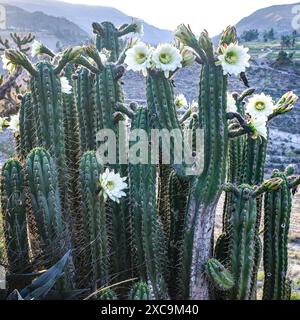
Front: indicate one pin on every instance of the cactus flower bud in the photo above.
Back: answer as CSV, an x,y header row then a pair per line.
x,y
286,102
188,56
228,36
185,35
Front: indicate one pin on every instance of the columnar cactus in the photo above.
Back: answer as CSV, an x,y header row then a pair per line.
x,y
240,242
45,202
97,261
148,237
277,213
161,231
27,126
46,94
86,107
13,202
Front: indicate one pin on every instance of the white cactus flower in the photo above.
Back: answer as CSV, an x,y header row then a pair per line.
x,y
35,48
65,86
259,126
104,56
167,58
138,58
14,123
112,185
3,123
260,105
7,64
231,103
180,101
139,29
234,59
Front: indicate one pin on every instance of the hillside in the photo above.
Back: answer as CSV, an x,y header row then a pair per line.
x,y
278,17
47,28
84,15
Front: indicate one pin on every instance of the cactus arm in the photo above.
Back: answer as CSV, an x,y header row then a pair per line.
x,y
94,219
45,201
13,202
121,107
27,125
185,116
276,228
294,182
86,108
69,55
18,58
219,275
85,63
236,133
126,29
94,54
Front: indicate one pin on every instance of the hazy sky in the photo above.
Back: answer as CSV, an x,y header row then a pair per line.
x,y
210,14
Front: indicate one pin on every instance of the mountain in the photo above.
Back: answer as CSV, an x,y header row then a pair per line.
x,y
84,15
47,28
278,17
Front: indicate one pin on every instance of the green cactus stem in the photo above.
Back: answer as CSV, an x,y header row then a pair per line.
x,y
108,37
219,275
13,204
95,221
27,126
277,209
45,203
86,107
148,238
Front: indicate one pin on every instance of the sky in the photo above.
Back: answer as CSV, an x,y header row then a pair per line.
x,y
212,15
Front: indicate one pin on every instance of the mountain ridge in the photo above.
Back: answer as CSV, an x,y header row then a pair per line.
x,y
84,15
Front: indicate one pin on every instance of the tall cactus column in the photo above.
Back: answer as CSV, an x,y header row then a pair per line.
x,y
46,93
149,246
13,202
206,190
276,228
96,239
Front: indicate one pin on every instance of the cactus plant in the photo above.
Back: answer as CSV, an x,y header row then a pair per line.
x,y
94,219
148,238
45,201
276,228
217,273
13,201
161,230
27,132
